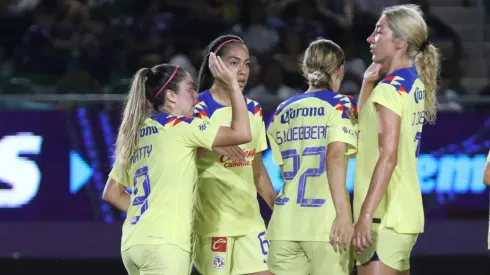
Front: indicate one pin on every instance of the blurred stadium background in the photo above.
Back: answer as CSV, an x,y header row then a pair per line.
x,y
65,66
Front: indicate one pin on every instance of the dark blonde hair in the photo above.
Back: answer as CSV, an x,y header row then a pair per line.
x,y
407,23
322,59
145,97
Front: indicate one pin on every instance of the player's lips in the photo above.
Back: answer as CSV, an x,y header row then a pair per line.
x,y
242,83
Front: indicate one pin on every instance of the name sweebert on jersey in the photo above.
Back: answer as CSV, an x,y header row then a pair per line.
x,y
301,132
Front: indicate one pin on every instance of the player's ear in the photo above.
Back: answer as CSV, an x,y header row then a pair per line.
x,y
170,96
341,72
400,43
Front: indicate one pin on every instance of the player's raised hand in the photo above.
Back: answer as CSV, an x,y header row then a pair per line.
x,y
373,72
341,233
221,73
233,152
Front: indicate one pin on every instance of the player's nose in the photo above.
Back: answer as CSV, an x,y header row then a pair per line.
x,y
370,39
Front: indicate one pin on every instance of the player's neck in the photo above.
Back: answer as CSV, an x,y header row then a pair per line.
x,y
169,110
312,89
395,64
220,96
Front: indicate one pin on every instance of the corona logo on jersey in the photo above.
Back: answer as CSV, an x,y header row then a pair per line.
x,y
230,163
290,114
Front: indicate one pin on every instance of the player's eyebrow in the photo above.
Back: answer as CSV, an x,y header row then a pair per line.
x,y
236,57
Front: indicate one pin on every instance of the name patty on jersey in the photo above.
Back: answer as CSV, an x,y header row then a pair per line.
x,y
141,153
301,133
291,114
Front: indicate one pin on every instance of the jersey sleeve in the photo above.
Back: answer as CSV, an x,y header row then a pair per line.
x,y
343,128
199,133
115,175
201,110
261,139
275,149
387,96
257,123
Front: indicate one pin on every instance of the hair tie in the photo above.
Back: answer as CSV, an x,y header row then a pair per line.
x,y
226,42
168,81
314,75
424,45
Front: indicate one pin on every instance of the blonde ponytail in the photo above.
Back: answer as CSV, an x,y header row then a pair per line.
x,y
427,64
407,23
322,59
135,112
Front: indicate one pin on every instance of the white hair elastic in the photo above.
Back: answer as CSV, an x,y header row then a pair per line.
x,y
314,75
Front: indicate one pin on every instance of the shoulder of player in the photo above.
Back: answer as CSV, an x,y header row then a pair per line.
x,y
201,108
313,99
173,121
400,81
253,106
335,100
352,100
202,99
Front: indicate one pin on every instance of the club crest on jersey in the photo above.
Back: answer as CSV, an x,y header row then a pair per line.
x,y
218,244
219,262
291,114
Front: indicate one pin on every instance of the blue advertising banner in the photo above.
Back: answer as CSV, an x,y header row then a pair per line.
x,y
54,164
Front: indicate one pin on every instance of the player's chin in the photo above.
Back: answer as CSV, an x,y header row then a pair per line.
x,y
376,59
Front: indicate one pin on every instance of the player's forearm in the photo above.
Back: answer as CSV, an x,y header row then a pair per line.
x,y
240,122
486,175
121,201
262,181
486,179
366,90
264,188
336,171
379,183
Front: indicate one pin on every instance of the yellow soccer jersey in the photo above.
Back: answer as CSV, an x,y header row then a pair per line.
x,y
299,134
401,207
226,200
163,174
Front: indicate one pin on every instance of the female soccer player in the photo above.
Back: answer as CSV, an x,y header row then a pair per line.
x,y
311,136
228,224
156,156
387,200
